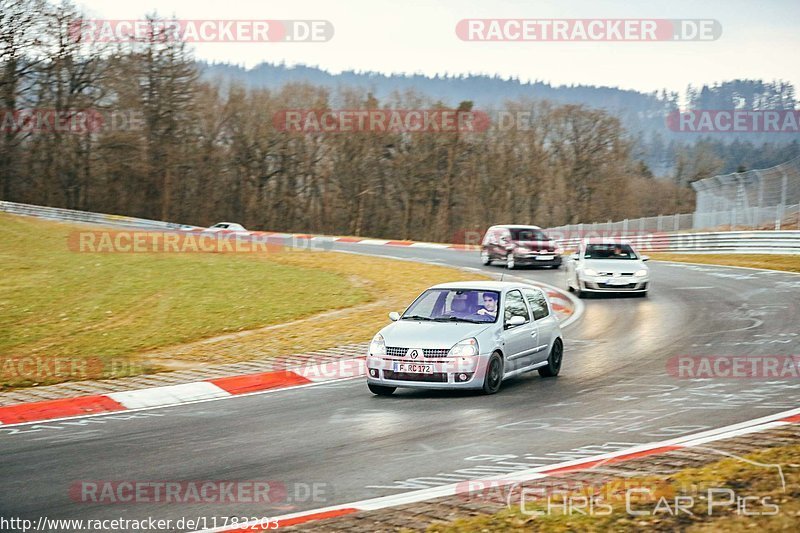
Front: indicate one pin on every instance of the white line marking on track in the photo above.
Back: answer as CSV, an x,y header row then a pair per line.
x,y
734,430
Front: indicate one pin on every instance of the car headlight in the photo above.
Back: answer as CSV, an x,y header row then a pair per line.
x,y
559,250
467,347
377,346
590,271
641,273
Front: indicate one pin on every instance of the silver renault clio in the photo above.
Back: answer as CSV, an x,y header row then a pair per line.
x,y
466,335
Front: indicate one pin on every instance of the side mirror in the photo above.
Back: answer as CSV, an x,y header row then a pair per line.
x,y
394,316
645,258
575,257
515,321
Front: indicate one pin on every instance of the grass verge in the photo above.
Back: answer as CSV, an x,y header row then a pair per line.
x,y
392,284
67,316
772,507
789,263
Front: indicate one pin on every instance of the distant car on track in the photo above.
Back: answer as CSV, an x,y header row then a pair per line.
x,y
603,265
225,226
516,246
466,335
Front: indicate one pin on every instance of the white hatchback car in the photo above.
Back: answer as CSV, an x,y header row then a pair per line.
x,y
226,226
466,335
603,265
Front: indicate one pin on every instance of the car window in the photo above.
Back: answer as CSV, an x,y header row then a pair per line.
x,y
515,306
537,303
525,234
468,305
424,305
609,251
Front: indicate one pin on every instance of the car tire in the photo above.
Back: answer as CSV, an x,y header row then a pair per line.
x,y
553,366
579,293
381,390
510,263
494,374
486,259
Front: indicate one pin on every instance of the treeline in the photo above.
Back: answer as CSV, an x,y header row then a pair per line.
x,y
642,114
174,147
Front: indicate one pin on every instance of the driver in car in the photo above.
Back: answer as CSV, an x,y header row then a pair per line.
x,y
489,307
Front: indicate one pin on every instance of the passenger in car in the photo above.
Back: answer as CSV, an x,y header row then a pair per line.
x,y
459,307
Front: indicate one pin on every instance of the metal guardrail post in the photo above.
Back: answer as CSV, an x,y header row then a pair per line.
x,y
784,187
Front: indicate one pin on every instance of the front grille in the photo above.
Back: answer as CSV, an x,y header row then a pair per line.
x,y
392,351
407,376
617,287
611,274
397,351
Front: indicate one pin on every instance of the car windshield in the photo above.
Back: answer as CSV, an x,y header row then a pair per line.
x,y
609,251
454,305
527,234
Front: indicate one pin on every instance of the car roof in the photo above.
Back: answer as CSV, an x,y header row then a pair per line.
x,y
481,285
514,226
605,240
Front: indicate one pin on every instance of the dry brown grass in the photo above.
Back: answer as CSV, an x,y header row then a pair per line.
x,y
789,263
392,285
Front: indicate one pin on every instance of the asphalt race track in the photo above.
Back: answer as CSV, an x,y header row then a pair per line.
x,y
614,391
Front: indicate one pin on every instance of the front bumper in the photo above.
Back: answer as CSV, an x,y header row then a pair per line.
x,y
598,284
446,372
532,259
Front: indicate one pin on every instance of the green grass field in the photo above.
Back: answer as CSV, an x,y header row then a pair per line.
x,y
59,303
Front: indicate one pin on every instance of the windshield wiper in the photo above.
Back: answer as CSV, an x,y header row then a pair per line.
x,y
457,319
415,317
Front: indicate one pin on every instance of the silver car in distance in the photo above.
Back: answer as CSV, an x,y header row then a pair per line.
x,y
607,265
466,335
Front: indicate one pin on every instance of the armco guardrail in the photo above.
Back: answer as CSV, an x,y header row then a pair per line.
x,y
56,213
762,242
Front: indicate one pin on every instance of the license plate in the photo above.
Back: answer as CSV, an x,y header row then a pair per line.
x,y
413,368
617,282
544,258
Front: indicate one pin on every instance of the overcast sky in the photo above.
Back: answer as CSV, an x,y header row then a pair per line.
x,y
760,39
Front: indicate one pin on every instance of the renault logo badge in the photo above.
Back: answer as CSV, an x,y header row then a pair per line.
x,y
413,353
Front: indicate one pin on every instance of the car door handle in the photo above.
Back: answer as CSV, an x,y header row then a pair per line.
x,y
535,333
